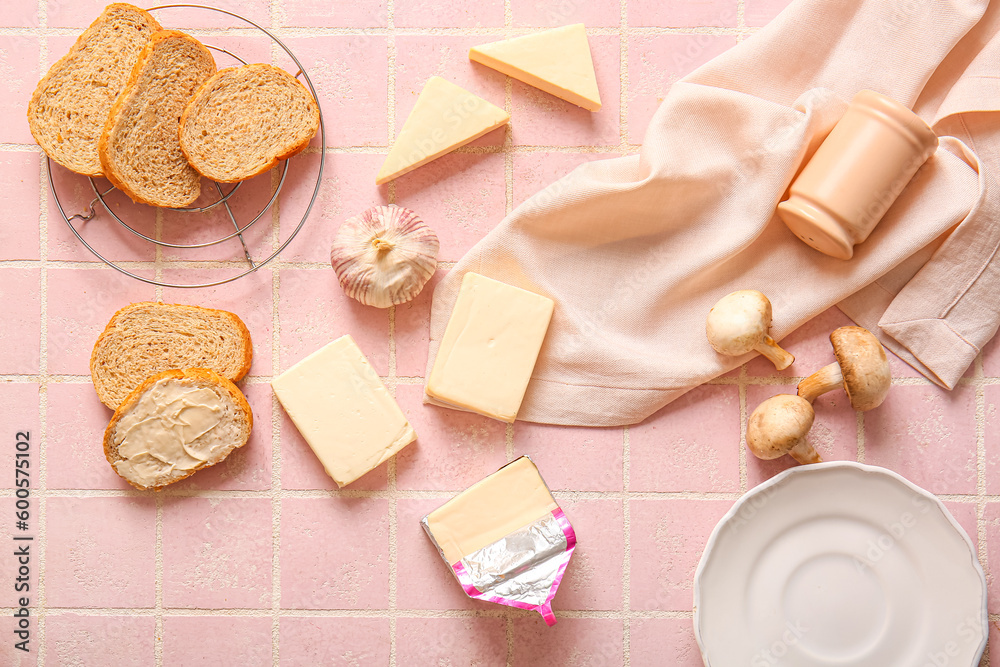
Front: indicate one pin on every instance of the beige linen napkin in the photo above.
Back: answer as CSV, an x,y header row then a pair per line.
x,y
636,250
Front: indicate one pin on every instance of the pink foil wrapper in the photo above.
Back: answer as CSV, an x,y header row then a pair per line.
x,y
522,569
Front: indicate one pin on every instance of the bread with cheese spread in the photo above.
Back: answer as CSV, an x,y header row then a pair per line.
x,y
146,338
174,424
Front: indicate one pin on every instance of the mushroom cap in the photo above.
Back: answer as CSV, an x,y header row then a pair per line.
x,y
778,424
738,322
863,364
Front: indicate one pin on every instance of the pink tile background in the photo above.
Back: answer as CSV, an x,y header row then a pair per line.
x,y
332,572
19,178
554,13
262,560
101,552
217,553
453,14
109,640
339,642
460,194
224,640
656,62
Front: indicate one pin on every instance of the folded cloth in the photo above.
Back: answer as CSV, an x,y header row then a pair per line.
x,y
636,250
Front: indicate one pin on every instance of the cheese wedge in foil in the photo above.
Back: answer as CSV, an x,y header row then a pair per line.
x,y
505,539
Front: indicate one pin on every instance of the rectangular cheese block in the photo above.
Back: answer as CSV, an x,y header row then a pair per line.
x,y
342,409
508,500
489,347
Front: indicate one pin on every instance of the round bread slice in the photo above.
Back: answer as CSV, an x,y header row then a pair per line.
x,y
173,425
146,338
69,107
139,148
243,120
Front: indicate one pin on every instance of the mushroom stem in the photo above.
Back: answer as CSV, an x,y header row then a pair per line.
x,y
781,358
825,379
803,452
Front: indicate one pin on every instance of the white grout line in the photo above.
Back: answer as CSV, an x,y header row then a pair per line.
x,y
247,612
377,149
313,31
860,431
393,528
158,584
275,493
623,137
982,496
43,366
981,534
405,494
749,381
508,178
626,546
742,384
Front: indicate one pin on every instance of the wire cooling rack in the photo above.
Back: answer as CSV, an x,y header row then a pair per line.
x,y
224,197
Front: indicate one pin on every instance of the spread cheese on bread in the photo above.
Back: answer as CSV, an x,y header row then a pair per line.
x,y
278,118
174,424
140,149
69,107
146,338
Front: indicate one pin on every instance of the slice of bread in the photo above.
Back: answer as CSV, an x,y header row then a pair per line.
x,y
174,424
139,148
147,338
243,120
70,106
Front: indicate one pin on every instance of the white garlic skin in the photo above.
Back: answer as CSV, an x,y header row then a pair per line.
x,y
384,256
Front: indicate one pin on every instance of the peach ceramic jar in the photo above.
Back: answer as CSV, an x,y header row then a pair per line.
x,y
856,174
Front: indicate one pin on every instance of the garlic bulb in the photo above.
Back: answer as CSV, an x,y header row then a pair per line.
x,y
384,256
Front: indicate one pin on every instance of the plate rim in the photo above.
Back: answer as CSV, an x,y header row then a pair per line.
x,y
821,467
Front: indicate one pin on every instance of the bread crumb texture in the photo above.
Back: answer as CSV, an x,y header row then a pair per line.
x,y
146,338
70,106
140,149
243,120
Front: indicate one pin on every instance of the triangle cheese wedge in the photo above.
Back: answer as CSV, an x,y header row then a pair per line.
x,y
557,61
445,117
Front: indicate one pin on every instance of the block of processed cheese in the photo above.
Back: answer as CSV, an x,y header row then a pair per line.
x,y
342,409
558,61
511,498
505,538
445,117
489,348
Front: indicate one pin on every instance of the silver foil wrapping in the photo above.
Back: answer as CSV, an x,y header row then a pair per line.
x,y
522,569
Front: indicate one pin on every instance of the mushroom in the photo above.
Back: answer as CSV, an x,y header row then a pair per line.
x,y
778,426
862,369
738,323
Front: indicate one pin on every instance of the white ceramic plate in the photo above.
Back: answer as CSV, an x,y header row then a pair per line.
x,y
840,564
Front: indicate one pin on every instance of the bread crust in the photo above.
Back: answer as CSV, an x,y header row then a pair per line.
x,y
206,87
118,108
202,374
111,329
61,63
